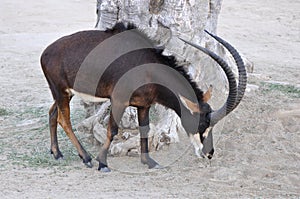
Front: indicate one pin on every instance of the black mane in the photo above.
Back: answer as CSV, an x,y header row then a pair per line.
x,y
172,62
121,27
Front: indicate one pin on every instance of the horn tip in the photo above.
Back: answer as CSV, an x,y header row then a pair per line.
x,y
209,33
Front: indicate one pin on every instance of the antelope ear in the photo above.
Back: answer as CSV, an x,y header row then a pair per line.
x,y
207,94
191,106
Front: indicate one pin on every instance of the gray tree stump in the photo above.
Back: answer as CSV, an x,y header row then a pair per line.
x,y
163,21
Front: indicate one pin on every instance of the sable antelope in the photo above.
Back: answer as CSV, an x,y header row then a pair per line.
x,y
71,66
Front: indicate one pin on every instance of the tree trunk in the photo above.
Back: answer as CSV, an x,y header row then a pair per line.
x,y
164,21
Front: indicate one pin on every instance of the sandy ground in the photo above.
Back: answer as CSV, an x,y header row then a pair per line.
x,y
257,151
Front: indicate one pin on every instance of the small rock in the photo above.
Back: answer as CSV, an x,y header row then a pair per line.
x,y
251,87
99,133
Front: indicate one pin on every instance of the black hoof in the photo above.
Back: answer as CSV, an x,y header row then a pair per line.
x,y
57,155
88,164
87,160
156,167
152,164
103,168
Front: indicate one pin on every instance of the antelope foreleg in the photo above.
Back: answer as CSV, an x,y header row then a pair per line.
x,y
112,130
143,116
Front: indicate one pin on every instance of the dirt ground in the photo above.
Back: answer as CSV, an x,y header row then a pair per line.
x,y
257,150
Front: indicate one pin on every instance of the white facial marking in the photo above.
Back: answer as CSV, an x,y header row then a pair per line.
x,y
205,134
191,106
195,140
185,104
86,97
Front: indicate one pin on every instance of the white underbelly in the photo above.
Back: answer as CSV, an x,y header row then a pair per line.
x,y
86,97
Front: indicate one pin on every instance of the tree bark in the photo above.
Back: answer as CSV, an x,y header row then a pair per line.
x,y
164,21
